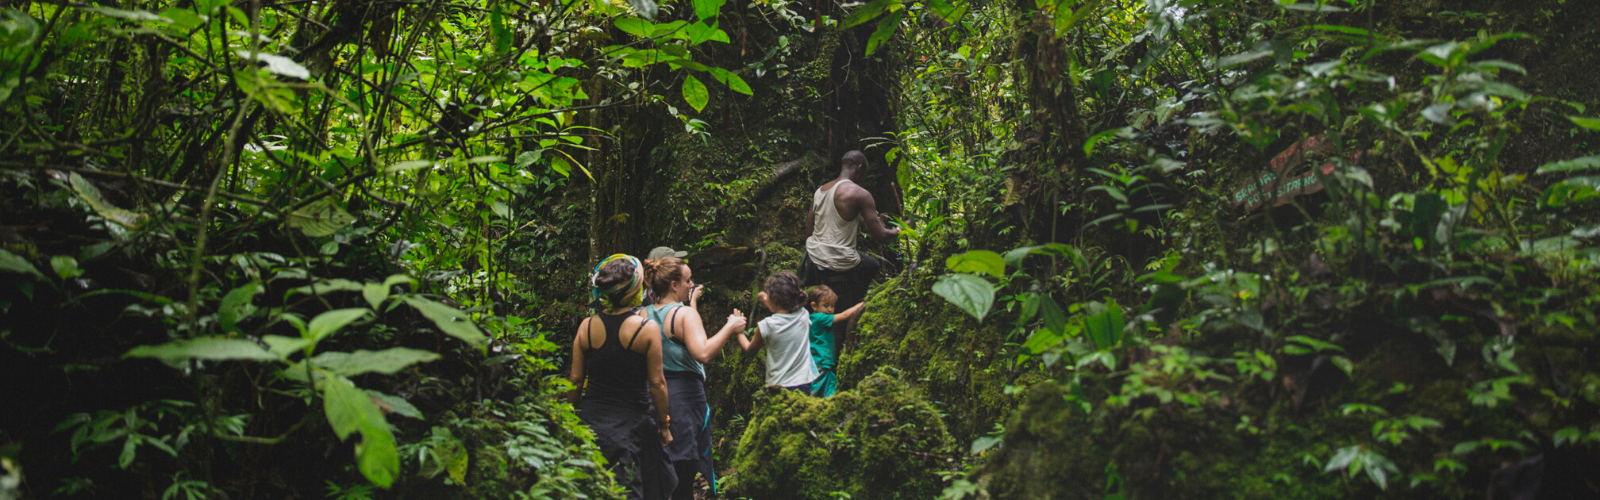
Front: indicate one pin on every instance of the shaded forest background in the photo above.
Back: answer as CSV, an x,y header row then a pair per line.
x,y
337,249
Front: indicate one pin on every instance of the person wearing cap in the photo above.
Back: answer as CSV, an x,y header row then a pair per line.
x,y
659,252
617,378
685,348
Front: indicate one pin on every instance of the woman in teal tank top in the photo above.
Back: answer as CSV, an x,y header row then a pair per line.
x,y
685,349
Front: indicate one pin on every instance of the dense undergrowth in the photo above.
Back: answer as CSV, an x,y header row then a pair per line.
x,y
337,249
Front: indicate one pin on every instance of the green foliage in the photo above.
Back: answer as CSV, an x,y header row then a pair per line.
x,y
347,408
971,293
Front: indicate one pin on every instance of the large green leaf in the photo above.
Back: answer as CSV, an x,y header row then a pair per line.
x,y
1588,123
951,12
388,361
886,29
14,263
376,293
978,261
733,81
635,26
91,195
65,266
277,64
1585,163
1054,318
1572,190
699,33
212,348
1041,340
328,323
695,93
867,12
395,404
450,320
326,287
282,346
349,410
967,291
1014,258
320,218
236,305
1103,324
708,9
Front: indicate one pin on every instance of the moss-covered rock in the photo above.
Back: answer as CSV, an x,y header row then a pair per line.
x,y
881,440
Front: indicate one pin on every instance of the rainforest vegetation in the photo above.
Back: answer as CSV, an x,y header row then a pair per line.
x,y
1148,249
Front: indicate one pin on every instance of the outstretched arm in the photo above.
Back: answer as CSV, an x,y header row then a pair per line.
x,y
869,215
850,313
751,344
701,347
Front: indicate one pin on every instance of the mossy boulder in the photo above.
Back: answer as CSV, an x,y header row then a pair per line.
x,y
881,440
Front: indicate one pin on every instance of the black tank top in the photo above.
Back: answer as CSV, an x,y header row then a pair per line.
x,y
616,373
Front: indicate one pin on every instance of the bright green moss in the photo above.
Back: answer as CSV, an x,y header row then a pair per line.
x,y
880,440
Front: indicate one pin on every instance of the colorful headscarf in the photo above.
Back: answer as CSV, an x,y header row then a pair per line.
x,y
626,294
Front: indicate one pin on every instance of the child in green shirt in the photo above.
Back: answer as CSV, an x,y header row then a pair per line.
x,y
824,349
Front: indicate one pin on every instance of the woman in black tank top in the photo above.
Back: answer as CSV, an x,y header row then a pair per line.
x,y
618,354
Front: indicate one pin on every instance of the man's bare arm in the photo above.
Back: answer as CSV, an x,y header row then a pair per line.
x,y
869,215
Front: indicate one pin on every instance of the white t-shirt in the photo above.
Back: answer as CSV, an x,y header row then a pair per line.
x,y
788,340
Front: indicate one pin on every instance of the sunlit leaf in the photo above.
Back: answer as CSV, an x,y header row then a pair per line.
x,y
699,33
277,64
395,404
10,262
970,293
330,322
695,93
375,293
91,195
236,305
984,443
348,410
327,287
978,261
1342,458
1103,324
320,218
886,29
951,12
282,346
867,13
708,9
1575,164
733,81
450,320
635,26
408,165
211,348
1588,123
388,361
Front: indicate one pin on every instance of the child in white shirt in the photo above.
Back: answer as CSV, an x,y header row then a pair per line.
x,y
786,334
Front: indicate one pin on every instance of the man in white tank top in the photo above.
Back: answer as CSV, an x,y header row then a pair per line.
x,y
839,210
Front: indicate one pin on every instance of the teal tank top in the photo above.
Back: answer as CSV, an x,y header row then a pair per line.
x,y
674,354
